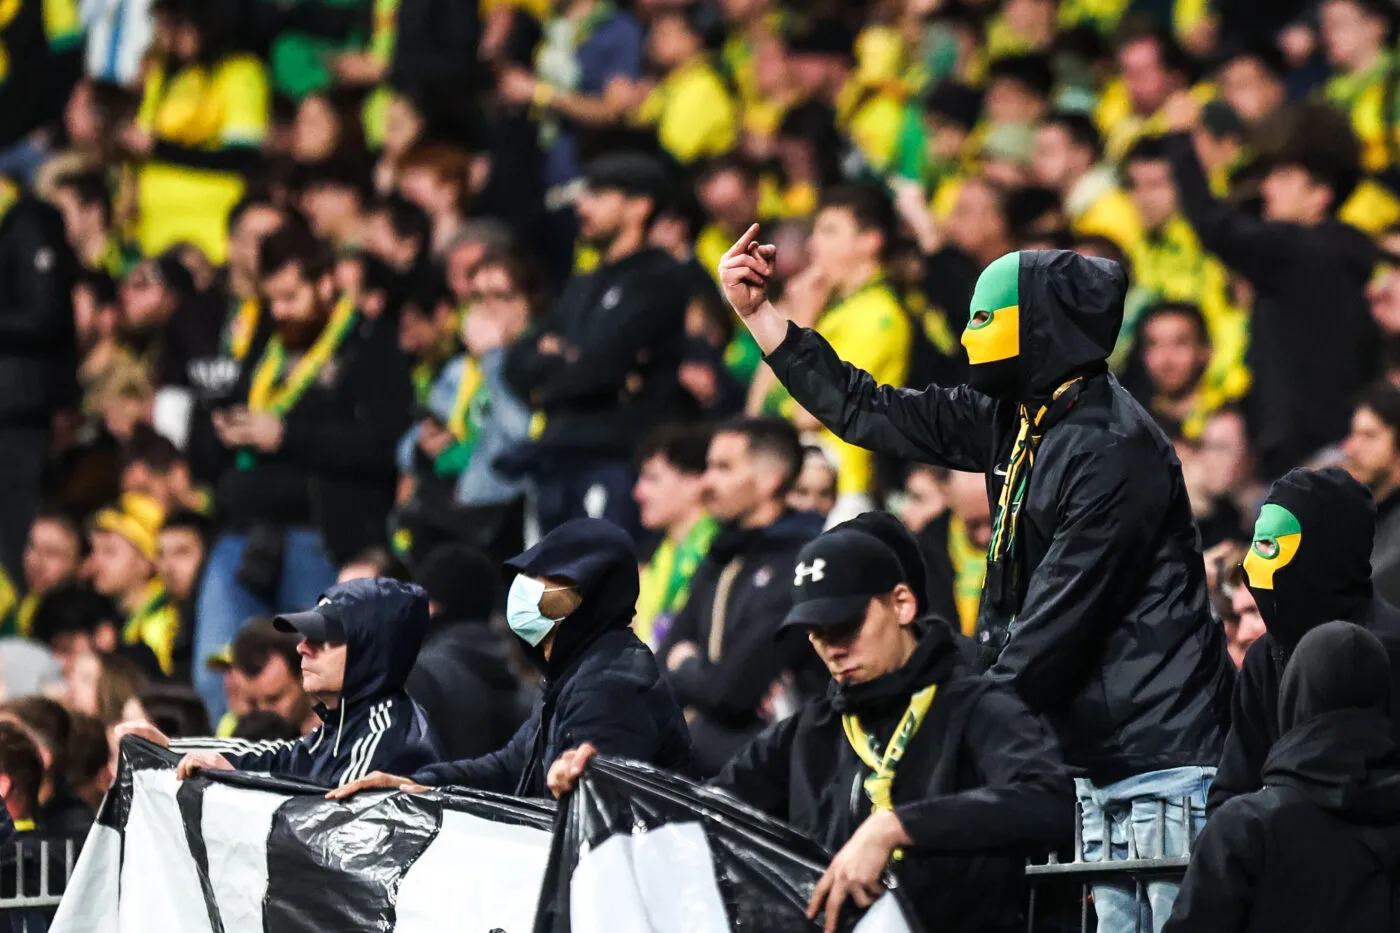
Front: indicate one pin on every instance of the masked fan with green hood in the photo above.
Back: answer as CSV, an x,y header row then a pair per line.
x,y
1310,564
1095,606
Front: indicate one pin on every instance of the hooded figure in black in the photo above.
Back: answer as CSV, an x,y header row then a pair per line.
x,y
1095,605
1318,848
375,725
601,684
1310,563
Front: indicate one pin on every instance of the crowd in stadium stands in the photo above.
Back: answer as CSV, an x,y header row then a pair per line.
x,y
306,292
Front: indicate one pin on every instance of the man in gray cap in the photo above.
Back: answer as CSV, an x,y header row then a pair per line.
x,y
600,367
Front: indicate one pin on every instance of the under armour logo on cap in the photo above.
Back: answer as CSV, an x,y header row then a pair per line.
x,y
815,572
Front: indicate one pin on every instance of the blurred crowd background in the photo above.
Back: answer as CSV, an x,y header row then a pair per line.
x,y
308,289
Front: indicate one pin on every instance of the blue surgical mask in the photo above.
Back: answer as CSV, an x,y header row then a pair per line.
x,y
523,610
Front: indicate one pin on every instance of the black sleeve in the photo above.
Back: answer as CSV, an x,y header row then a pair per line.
x,y
1026,801
525,367
240,159
1253,727
363,441
649,312
1217,894
436,40
945,427
1111,509
36,255
759,774
498,772
1253,247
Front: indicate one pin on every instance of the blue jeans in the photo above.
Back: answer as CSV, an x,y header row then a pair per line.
x,y
224,604
1128,809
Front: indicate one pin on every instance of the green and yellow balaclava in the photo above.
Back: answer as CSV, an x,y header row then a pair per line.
x,y
1310,561
992,338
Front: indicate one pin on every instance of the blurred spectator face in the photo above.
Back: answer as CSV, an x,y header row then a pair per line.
x,y
603,214
1351,36
332,209
966,494
672,41
1384,290
322,667
295,301
837,243
93,319
1175,354
185,40
793,257
403,125
460,262
181,556
1149,84
429,190
1248,626
83,679
382,241
1029,17
923,500
1371,452
1249,88
497,298
117,567
869,648
737,482
740,11
418,333
255,223
146,302
666,495
772,73
51,556
235,691
1009,101
728,198
977,224
80,117
1291,195
815,489
169,488
278,689
1224,455
1152,190
315,131
1057,162
945,139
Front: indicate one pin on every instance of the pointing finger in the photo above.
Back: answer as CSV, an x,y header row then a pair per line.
x,y
742,244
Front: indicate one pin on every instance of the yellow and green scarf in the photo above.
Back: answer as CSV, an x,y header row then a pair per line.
x,y
883,765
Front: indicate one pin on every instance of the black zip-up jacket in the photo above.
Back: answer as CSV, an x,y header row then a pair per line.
x,y
725,693
1318,848
1313,344
601,684
1114,642
623,327
335,470
38,349
980,788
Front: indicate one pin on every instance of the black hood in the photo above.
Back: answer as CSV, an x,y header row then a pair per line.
x,y
384,622
601,560
1335,745
1329,576
1071,313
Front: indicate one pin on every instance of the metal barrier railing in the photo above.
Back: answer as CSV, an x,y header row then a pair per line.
x,y
29,888
1137,867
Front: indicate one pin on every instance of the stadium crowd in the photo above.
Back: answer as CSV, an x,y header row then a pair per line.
x,y
300,294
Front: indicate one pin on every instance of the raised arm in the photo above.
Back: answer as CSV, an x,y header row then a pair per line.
x,y
948,427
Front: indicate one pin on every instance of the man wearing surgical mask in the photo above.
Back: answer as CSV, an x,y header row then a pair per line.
x,y
1309,564
571,603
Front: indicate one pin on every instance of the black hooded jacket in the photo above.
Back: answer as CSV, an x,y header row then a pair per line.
x,y
981,785
725,684
376,727
601,683
1114,641
1318,849
1328,579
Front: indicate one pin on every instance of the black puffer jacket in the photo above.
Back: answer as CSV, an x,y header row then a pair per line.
x,y
601,683
1318,849
1114,642
981,785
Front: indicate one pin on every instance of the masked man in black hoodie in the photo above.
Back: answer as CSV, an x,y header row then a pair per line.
x,y
910,756
1095,606
571,603
1318,848
357,646
1310,563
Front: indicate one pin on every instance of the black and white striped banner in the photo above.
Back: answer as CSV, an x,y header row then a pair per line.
x,y
634,850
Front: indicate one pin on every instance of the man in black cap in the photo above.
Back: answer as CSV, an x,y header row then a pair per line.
x,y
910,762
357,647
464,679
600,368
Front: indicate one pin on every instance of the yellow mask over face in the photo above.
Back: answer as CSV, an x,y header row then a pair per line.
x,y
993,329
1277,535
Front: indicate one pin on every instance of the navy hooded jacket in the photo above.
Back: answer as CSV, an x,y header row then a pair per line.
x,y
377,726
601,683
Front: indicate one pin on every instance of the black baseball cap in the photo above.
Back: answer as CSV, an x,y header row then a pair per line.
x,y
836,576
635,174
359,605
